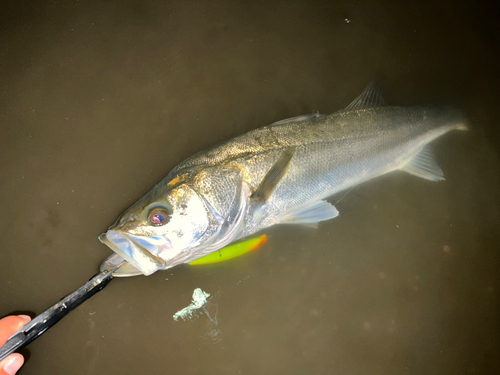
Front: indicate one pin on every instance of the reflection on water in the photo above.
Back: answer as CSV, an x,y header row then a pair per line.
x,y
99,102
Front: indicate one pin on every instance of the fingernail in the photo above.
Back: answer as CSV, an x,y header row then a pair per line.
x,y
26,318
13,365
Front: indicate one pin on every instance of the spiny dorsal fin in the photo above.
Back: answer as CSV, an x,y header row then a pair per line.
x,y
273,177
370,98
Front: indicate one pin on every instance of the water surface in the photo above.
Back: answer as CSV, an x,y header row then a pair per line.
x,y
99,101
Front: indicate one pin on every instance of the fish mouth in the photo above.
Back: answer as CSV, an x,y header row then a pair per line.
x,y
142,253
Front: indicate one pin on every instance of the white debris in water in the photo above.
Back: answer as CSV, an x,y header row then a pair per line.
x,y
347,20
199,300
201,304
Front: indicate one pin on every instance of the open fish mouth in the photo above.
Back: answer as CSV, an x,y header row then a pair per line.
x,y
144,254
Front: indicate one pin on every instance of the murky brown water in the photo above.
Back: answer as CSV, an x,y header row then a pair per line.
x,y
100,100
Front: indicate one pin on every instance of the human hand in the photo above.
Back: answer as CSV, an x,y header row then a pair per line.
x,y
8,326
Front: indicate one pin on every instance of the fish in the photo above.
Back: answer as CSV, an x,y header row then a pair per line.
x,y
277,174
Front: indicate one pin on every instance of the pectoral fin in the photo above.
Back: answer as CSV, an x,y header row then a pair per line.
x,y
311,213
273,177
424,165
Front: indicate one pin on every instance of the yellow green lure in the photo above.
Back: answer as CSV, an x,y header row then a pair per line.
x,y
231,251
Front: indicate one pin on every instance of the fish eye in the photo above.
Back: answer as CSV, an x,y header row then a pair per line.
x,y
159,217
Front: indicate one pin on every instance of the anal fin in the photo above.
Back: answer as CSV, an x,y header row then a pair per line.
x,y
424,165
310,214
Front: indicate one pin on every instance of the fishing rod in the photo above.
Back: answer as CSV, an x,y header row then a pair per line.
x,y
50,317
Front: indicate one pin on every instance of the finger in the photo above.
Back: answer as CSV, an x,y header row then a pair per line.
x,y
10,325
11,364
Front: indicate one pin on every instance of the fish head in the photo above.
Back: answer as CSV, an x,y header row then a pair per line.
x,y
161,229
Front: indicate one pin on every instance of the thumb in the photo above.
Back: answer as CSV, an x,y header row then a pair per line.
x,y
11,364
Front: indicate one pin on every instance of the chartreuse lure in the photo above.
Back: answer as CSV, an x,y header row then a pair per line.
x,y
231,251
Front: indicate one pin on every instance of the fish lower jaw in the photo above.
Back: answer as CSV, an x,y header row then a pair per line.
x,y
131,252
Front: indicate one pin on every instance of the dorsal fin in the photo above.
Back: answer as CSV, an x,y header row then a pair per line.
x,y
297,118
370,98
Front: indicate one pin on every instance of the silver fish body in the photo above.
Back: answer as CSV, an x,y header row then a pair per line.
x,y
327,154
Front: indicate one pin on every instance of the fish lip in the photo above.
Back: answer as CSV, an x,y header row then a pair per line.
x,y
132,252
